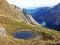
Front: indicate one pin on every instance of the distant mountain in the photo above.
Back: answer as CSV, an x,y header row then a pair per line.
x,y
39,13
14,20
53,20
51,16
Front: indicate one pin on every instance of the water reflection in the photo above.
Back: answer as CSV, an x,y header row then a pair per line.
x,y
24,35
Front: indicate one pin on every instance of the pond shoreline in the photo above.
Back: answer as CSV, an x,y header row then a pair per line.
x,y
28,35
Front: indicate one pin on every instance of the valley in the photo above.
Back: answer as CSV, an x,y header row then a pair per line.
x,y
14,21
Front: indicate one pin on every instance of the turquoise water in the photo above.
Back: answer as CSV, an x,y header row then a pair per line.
x,y
24,35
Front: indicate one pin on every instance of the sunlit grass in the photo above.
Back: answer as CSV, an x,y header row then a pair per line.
x,y
13,22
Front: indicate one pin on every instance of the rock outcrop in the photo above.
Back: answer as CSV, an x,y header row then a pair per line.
x,y
13,21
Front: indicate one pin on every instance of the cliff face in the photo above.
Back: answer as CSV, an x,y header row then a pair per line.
x,y
7,10
26,16
14,21
29,18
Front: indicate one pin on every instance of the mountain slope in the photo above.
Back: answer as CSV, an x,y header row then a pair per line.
x,y
10,12
14,22
26,16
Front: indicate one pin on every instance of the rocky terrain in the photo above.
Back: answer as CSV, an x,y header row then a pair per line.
x,y
27,17
12,21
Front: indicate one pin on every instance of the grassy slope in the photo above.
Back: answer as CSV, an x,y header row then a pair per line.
x,y
14,24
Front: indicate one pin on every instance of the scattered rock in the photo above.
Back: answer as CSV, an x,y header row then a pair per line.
x,y
3,31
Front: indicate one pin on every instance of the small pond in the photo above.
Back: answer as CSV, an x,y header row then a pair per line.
x,y
24,35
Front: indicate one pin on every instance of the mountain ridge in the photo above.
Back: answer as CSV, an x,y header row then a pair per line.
x,y
13,22
41,15
27,17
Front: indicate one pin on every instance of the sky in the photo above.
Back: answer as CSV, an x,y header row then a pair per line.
x,y
33,3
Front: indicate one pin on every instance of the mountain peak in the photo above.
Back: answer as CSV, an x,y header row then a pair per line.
x,y
59,4
12,21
